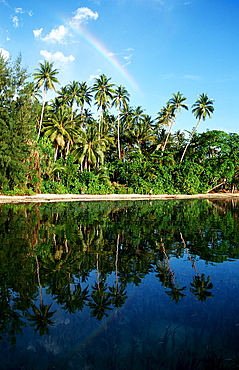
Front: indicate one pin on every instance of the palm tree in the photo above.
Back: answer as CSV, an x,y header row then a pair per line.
x,y
63,94
84,95
103,95
202,108
45,76
165,118
120,100
59,128
73,91
174,106
141,133
89,149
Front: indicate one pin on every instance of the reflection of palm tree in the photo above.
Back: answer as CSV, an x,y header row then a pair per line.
x,y
118,295
175,293
167,277
75,300
117,292
41,318
101,301
200,287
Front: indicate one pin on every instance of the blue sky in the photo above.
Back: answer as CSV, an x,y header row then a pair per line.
x,y
152,47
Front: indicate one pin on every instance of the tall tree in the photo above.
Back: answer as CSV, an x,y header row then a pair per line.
x,y
174,105
85,95
104,91
73,92
89,149
60,129
120,100
45,76
202,108
17,124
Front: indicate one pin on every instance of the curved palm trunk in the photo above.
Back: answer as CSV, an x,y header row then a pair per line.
x,y
42,112
190,139
166,140
118,134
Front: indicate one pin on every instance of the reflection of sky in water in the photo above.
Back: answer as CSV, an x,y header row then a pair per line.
x,y
149,331
148,326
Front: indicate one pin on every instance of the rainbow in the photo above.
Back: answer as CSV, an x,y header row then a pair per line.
x,y
106,54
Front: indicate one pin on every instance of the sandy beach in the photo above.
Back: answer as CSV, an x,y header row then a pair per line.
x,y
41,198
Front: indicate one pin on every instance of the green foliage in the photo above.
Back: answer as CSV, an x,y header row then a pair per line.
x,y
17,124
76,153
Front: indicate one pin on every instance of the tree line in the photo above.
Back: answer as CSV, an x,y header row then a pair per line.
x,y
61,146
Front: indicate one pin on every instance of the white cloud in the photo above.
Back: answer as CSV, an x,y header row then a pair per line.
x,y
57,57
192,77
57,35
4,53
95,75
15,21
19,10
111,54
37,33
82,15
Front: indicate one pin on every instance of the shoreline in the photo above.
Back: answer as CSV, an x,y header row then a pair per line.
x,y
49,198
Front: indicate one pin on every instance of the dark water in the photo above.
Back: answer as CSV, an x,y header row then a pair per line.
x,y
124,285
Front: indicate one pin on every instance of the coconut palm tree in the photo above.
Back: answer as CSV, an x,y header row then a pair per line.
x,y
165,118
63,94
73,92
45,76
104,91
120,100
90,148
85,95
174,106
59,128
202,108
141,133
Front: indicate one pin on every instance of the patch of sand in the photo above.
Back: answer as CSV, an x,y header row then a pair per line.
x,y
40,198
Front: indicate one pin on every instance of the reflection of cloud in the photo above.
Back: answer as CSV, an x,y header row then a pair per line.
x,y
4,53
57,57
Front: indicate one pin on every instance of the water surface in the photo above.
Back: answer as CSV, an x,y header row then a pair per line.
x,y
120,285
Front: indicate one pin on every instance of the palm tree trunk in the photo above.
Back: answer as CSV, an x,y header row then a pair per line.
x,y
166,140
56,152
42,112
118,134
189,140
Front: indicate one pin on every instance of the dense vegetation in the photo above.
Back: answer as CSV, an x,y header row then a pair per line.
x,y
61,146
58,247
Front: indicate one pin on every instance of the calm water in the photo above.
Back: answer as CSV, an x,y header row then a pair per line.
x,y
123,285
